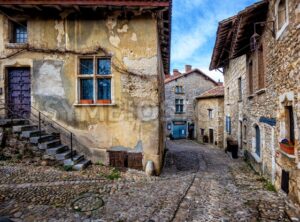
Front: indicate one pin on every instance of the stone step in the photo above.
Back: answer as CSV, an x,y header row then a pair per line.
x,y
13,122
82,165
65,155
32,133
57,150
76,159
49,144
20,128
42,139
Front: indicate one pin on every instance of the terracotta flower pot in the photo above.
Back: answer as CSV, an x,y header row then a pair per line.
x,y
103,101
287,148
86,101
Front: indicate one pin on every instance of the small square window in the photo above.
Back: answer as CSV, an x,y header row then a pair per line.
x,y
86,66
19,32
104,67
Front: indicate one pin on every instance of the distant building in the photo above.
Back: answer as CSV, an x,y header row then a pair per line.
x,y
180,91
258,50
209,116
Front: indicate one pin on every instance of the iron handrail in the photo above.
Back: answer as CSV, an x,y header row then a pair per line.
x,y
39,117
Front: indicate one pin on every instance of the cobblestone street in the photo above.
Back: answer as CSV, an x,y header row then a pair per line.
x,y
198,183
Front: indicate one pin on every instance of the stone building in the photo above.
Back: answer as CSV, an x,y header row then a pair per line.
x,y
261,72
209,116
96,67
180,91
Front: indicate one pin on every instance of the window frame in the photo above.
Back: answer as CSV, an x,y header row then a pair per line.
x,y
12,31
179,89
240,88
280,31
180,105
210,113
95,77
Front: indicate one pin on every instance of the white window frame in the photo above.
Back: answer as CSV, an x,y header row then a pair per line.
x,y
280,31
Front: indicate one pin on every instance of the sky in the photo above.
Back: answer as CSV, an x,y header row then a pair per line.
x,y
194,27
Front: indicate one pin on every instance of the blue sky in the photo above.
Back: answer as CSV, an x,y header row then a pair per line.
x,y
194,27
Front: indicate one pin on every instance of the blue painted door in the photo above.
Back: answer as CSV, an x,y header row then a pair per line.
x,y
257,138
179,131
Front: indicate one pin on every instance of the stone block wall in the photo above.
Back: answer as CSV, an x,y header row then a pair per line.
x,y
204,122
193,85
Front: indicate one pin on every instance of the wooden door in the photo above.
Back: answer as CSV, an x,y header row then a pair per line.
x,y
18,94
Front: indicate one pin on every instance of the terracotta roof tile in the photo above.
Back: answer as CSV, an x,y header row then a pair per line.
x,y
170,78
211,93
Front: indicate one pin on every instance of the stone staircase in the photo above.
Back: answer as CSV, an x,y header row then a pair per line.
x,y
49,144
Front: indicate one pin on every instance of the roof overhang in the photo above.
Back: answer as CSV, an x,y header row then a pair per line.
x,y
163,9
233,35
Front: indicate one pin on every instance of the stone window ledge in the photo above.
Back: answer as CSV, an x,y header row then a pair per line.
x,y
256,157
286,154
260,91
89,105
16,45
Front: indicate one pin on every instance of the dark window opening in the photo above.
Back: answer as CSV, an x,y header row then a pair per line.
x,y
290,125
179,105
19,32
250,77
210,114
228,125
202,132
178,89
240,88
285,177
257,140
261,68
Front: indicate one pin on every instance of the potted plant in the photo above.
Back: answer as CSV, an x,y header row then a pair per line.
x,y
287,147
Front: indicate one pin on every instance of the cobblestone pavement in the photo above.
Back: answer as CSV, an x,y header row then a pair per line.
x,y
198,183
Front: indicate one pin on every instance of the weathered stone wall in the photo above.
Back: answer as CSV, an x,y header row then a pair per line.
x,y
204,122
133,118
193,85
281,77
283,61
233,106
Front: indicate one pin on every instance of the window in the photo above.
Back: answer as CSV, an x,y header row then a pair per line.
x,y
95,80
228,125
281,13
210,113
261,68
228,94
178,89
257,140
245,133
290,126
202,132
250,77
19,32
179,105
240,88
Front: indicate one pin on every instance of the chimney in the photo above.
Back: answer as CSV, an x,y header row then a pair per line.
x,y
188,68
176,72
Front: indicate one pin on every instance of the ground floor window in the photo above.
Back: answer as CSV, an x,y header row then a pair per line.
x,y
257,140
228,124
94,80
289,122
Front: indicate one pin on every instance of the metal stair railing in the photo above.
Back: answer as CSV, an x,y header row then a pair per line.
x,y
43,122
